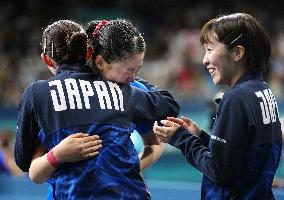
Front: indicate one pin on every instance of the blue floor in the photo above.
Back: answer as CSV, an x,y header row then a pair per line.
x,y
23,189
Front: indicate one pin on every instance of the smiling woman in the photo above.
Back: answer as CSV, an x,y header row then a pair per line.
x,y
240,158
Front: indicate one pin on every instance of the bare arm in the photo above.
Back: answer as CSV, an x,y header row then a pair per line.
x,y
74,148
151,151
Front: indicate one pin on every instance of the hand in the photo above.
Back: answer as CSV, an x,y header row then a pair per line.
x,y
76,147
164,133
187,124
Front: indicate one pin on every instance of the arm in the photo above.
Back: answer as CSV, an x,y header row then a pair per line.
x,y
26,141
155,93
151,151
74,148
152,147
153,106
192,127
219,160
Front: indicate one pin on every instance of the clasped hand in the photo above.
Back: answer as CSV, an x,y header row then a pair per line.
x,y
170,126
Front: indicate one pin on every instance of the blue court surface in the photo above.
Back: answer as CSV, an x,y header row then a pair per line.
x,y
12,188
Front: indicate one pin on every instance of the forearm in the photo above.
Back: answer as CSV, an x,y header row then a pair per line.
x,y
196,153
149,155
41,170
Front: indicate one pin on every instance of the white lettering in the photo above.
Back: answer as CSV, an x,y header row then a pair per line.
x,y
268,106
264,107
117,96
87,91
57,106
214,137
73,93
103,95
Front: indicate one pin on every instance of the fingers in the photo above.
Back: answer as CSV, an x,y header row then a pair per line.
x,y
176,120
159,129
161,132
91,151
186,120
78,135
168,123
89,145
90,138
92,154
92,143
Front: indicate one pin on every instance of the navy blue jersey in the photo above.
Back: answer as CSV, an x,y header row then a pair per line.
x,y
3,167
243,152
142,127
76,100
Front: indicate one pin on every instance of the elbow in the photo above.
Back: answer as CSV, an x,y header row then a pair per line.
x,y
176,110
36,179
35,175
220,177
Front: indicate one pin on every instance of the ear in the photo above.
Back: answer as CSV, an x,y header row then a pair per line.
x,y
100,62
47,60
89,53
239,53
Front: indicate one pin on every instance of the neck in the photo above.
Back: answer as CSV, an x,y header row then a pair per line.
x,y
237,76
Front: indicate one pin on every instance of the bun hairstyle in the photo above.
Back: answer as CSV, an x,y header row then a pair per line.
x,y
65,41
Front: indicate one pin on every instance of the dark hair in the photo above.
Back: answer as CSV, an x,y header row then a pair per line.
x,y
115,41
65,41
240,29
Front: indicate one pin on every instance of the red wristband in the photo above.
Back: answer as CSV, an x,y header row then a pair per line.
x,y
52,160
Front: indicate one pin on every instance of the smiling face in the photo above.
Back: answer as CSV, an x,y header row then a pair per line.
x,y
220,63
123,71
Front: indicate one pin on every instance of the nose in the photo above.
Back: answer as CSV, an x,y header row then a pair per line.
x,y
132,77
205,60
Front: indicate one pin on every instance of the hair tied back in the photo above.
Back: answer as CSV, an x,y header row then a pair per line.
x,y
98,27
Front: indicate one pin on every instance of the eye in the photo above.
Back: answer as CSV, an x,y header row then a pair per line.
x,y
209,49
138,69
131,69
134,69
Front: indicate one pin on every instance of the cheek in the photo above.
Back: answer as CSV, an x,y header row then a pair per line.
x,y
116,75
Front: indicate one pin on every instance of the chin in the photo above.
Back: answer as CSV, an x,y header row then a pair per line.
x,y
216,81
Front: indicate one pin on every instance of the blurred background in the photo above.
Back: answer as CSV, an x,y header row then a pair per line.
x,y
173,61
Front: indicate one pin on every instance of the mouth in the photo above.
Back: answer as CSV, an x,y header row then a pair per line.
x,y
211,71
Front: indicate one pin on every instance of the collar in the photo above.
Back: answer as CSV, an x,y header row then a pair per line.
x,y
250,76
75,67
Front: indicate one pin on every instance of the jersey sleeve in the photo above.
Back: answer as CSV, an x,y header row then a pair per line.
x,y
228,141
142,127
26,140
153,105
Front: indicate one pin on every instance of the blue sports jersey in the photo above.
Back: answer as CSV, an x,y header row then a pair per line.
x,y
142,127
76,100
3,167
241,156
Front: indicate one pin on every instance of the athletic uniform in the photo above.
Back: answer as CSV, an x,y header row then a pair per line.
x,y
142,127
76,100
3,167
241,156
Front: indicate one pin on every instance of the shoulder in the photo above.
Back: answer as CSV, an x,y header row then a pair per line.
x,y
236,93
236,98
31,88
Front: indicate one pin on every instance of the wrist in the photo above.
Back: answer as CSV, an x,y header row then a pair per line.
x,y
198,132
52,159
